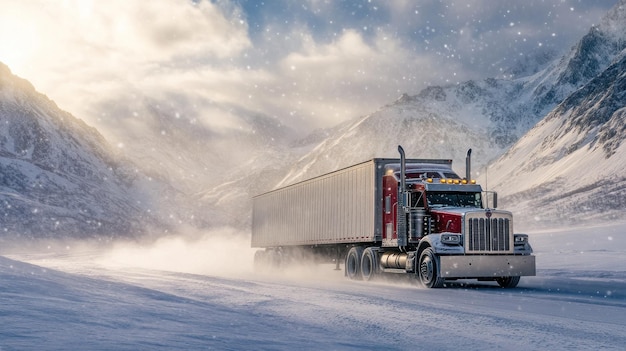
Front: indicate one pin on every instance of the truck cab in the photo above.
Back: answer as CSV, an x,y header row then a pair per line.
x,y
447,217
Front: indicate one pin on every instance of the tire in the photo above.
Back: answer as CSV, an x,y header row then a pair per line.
x,y
275,259
428,269
267,260
353,263
369,264
508,282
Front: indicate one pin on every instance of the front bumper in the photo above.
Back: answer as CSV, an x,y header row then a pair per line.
x,y
486,266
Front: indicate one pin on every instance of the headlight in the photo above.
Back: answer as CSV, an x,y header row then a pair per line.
x,y
520,239
451,239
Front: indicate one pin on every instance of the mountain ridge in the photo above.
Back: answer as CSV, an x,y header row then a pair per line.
x,y
58,176
495,113
570,165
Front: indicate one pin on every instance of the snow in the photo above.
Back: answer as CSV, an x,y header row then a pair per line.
x,y
202,293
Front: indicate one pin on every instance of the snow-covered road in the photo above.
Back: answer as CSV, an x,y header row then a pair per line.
x,y
90,301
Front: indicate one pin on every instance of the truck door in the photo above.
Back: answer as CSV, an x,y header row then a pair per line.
x,y
390,210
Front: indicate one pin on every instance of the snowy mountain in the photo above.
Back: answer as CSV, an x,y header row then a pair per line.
x,y
587,59
423,128
487,116
205,160
570,166
191,141
214,154
58,176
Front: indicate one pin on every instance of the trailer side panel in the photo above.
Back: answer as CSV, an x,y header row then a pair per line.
x,y
339,207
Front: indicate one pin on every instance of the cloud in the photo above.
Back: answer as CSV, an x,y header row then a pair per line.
x,y
85,49
309,64
350,75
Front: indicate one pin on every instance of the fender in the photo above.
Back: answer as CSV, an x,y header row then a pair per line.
x,y
434,241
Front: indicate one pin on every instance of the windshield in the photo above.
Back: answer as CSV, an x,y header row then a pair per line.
x,y
453,199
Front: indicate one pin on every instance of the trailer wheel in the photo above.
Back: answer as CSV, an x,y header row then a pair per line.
x,y
353,263
275,258
260,261
428,270
369,263
508,282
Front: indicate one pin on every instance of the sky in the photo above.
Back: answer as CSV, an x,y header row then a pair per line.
x,y
306,63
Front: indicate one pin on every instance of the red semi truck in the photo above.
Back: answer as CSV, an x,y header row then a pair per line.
x,y
413,216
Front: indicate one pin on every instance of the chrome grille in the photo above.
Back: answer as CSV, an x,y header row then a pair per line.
x,y
488,235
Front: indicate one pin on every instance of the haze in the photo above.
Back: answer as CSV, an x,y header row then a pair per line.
x,y
308,64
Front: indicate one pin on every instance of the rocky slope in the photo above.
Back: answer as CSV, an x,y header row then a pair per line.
x,y
58,176
570,166
488,115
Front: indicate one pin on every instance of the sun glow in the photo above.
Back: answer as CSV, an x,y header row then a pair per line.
x,y
19,42
83,53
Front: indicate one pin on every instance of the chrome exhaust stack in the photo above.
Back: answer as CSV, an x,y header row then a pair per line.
x,y
468,165
403,202
402,172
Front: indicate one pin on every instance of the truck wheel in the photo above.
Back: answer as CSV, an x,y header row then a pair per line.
x,y
353,263
428,270
275,259
508,282
369,263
